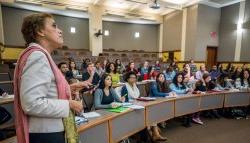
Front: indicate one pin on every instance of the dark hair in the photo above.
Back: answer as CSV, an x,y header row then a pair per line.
x,y
60,64
97,62
102,81
220,80
185,65
108,70
116,62
169,69
128,74
129,64
33,24
242,76
70,65
175,81
89,63
162,87
205,75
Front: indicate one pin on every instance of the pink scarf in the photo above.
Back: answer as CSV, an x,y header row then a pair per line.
x,y
63,90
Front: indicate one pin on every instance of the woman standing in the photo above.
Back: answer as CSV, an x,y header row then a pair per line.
x,y
42,95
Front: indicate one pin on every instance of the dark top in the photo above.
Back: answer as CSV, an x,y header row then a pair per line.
x,y
157,90
124,92
107,99
96,78
69,75
200,87
1,91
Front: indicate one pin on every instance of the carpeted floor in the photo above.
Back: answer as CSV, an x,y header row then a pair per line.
x,y
213,131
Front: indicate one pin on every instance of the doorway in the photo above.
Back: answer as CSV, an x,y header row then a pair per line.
x,y
211,56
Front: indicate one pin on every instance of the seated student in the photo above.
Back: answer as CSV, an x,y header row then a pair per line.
x,y
245,83
174,65
215,73
112,71
90,75
65,70
130,92
131,67
205,84
157,66
178,86
144,71
120,67
105,95
99,70
85,64
199,74
187,70
237,73
192,66
72,68
245,79
160,88
170,73
223,82
152,73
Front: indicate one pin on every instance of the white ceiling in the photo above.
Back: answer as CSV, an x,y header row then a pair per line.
x,y
128,9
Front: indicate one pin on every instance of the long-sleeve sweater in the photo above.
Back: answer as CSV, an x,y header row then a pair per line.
x,y
154,91
98,98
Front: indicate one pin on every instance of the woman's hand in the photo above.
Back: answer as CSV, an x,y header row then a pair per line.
x,y
76,87
115,105
80,85
75,105
123,99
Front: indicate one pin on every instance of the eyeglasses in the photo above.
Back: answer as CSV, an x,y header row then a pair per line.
x,y
108,78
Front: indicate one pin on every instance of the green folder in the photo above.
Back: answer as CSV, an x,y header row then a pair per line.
x,y
118,110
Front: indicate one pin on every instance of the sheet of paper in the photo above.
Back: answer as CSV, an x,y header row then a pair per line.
x,y
91,115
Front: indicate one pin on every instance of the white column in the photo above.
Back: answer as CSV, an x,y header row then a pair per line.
x,y
1,32
160,39
95,24
1,26
183,33
239,31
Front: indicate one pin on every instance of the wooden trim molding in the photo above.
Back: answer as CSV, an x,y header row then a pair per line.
x,y
171,51
233,62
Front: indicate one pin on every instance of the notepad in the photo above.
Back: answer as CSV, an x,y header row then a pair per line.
x,y
7,97
136,107
118,110
146,98
91,115
126,104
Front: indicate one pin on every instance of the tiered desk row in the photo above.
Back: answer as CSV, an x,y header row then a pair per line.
x,y
112,127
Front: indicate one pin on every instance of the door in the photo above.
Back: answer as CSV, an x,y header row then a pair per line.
x,y
211,57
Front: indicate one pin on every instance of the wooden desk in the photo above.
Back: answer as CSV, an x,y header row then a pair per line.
x,y
96,130
10,140
233,99
157,111
123,125
6,100
212,101
187,104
